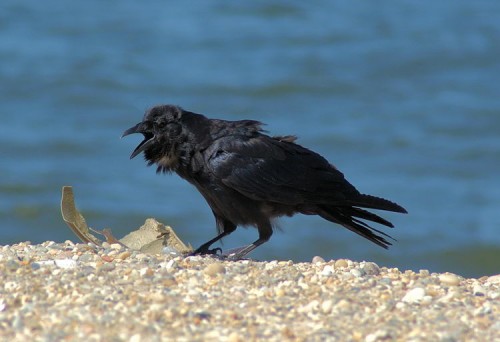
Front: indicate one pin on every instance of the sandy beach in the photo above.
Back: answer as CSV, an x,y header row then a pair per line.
x,y
67,291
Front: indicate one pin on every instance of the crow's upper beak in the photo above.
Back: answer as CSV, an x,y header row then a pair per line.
x,y
132,130
148,138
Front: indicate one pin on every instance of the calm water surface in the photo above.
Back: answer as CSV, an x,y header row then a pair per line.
x,y
402,97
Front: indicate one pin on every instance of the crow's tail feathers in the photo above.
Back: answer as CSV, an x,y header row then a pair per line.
x,y
349,217
373,202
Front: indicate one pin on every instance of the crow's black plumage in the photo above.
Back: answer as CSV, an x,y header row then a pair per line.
x,y
249,178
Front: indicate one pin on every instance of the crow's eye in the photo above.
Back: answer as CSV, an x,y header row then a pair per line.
x,y
161,124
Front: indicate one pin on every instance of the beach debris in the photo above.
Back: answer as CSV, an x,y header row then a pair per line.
x,y
152,237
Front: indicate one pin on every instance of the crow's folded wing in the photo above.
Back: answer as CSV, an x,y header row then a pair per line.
x,y
269,169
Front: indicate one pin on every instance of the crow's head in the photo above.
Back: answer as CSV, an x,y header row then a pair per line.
x,y
161,128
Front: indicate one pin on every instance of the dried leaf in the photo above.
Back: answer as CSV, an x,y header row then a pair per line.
x,y
73,218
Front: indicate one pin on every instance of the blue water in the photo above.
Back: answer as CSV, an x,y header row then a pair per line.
x,y
403,97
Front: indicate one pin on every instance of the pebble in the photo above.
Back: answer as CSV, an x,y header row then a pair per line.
x,y
59,291
327,271
109,266
146,272
449,279
135,338
493,279
485,309
124,255
414,295
341,263
85,258
424,273
65,263
478,290
234,337
279,292
327,306
116,246
371,268
12,265
357,272
215,269
379,335
317,260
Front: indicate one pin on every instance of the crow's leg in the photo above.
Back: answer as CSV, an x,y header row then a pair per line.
x,y
227,228
265,232
205,248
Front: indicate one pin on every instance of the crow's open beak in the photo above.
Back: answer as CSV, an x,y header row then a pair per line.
x,y
148,139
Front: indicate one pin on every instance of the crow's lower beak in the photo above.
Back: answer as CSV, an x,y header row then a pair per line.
x,y
148,139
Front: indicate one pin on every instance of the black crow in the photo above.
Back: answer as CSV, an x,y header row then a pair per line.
x,y
248,178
